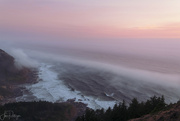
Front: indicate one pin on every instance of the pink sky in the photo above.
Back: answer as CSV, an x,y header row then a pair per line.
x,y
92,19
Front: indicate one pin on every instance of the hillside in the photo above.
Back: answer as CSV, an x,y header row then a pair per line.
x,y
11,77
39,111
171,113
154,109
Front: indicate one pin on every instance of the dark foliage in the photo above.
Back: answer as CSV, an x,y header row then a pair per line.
x,y
39,111
122,113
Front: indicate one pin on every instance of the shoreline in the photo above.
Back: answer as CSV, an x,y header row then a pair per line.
x,y
17,89
32,78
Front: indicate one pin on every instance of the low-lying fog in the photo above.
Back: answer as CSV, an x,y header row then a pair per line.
x,y
151,66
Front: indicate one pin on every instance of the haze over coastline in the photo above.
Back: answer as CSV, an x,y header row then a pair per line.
x,y
95,51
127,74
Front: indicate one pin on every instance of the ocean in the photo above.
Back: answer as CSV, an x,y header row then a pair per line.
x,y
102,80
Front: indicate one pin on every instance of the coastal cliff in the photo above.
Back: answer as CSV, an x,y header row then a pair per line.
x,y
11,77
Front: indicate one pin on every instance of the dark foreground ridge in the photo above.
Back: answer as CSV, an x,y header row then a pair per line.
x,y
43,111
170,113
122,112
39,111
154,109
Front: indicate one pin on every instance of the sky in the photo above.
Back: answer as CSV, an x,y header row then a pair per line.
x,y
87,19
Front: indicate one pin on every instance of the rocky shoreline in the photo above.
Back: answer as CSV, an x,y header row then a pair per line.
x,y
16,88
32,77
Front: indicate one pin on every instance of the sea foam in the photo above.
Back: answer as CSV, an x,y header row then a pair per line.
x,y
50,88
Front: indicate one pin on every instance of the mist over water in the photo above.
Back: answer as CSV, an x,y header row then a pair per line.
x,y
102,72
